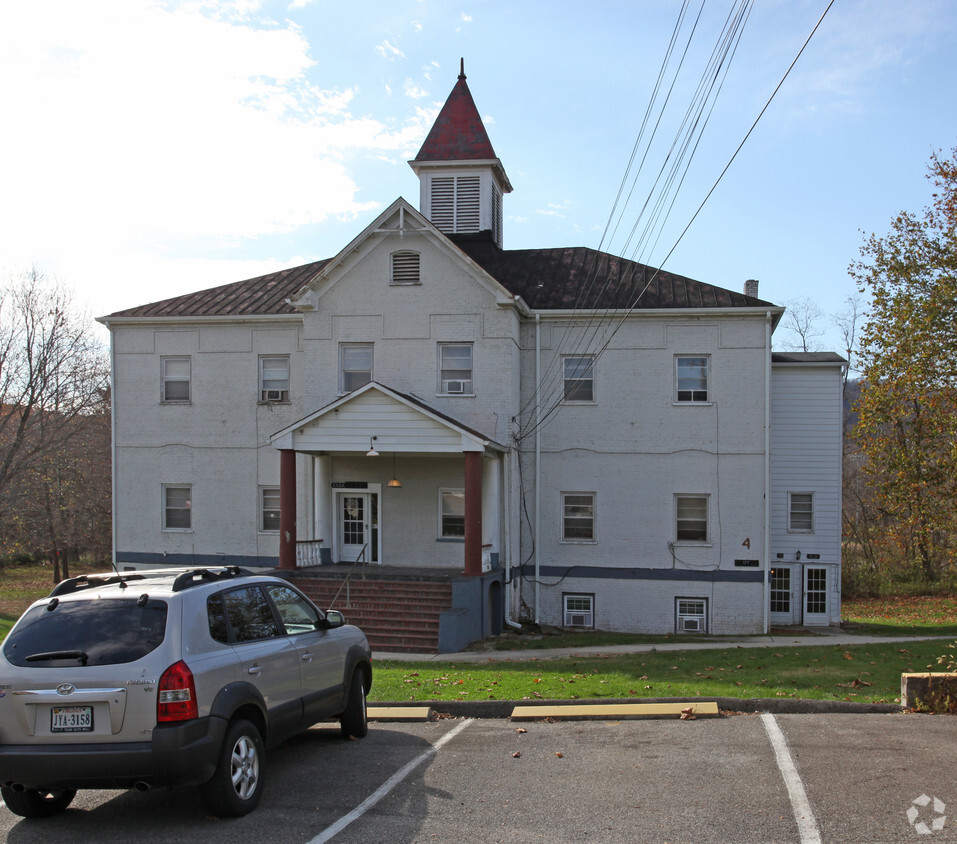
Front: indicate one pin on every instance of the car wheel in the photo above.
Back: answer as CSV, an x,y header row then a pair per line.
x,y
34,803
353,720
237,784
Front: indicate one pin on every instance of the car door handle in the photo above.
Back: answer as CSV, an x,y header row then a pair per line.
x,y
255,669
307,657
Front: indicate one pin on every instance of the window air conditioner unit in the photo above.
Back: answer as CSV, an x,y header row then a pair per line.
x,y
455,386
578,619
690,623
273,395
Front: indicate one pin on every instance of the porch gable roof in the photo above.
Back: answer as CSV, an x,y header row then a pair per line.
x,y
400,423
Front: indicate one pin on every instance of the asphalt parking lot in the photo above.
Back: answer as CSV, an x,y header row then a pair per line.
x,y
745,778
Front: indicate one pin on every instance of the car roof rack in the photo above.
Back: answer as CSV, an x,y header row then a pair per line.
x,y
89,581
183,578
197,577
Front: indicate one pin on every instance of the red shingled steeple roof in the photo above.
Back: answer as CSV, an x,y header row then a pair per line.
x,y
458,133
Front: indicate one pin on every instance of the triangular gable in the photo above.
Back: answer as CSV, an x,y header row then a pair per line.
x,y
400,424
399,217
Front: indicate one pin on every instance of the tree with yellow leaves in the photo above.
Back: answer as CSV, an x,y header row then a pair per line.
x,y
907,424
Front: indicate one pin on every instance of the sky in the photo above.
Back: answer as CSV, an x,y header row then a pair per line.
x,y
151,149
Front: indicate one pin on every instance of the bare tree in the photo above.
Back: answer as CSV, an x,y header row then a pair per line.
x,y
53,374
804,323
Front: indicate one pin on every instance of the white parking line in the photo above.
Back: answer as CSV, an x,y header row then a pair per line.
x,y
800,805
387,786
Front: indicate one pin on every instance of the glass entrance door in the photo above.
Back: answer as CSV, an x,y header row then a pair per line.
x,y
784,609
358,527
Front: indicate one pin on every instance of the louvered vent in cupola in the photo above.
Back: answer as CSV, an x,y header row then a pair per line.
x,y
405,268
456,203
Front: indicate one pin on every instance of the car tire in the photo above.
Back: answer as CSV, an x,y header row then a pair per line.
x,y
237,784
34,803
354,720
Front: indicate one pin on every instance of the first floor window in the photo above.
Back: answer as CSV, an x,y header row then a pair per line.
x,y
355,366
691,379
800,512
274,378
175,373
452,512
578,610
579,376
177,507
455,368
691,518
691,615
578,516
269,510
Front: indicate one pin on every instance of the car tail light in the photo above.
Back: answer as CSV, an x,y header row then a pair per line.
x,y
177,694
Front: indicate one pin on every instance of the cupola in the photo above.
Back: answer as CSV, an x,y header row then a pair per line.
x,y
461,180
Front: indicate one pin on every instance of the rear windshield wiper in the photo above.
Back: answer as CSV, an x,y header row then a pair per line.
x,y
48,656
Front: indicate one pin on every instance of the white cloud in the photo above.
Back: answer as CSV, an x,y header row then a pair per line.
x,y
467,18
388,50
414,91
139,125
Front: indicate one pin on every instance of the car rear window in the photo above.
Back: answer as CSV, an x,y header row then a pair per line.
x,y
99,632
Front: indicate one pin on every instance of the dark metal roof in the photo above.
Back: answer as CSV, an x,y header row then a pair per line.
x,y
262,296
579,277
807,357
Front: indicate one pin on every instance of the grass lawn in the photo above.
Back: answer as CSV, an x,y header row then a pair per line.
x,y
927,615
864,673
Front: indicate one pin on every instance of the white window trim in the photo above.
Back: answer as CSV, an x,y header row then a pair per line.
x,y
588,596
440,531
563,540
802,531
284,397
680,627
262,508
165,507
594,381
471,379
342,347
164,359
699,542
708,387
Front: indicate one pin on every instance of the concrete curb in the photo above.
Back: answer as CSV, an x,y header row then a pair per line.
x,y
783,706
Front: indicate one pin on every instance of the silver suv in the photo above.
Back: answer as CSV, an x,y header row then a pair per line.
x,y
172,677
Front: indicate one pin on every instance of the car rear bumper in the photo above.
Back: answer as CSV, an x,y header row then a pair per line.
x,y
178,754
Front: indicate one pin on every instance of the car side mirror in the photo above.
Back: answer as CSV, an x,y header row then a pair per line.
x,y
334,619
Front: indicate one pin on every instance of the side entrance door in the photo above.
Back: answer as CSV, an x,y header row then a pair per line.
x,y
785,589
358,526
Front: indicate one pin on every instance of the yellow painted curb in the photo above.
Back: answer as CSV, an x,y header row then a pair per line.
x,y
399,713
611,710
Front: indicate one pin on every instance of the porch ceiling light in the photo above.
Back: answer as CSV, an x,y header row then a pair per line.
x,y
372,452
395,483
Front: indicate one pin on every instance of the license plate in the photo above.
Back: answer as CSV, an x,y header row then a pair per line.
x,y
71,719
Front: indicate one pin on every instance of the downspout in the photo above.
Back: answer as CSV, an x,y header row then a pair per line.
x,y
767,471
507,509
113,443
538,459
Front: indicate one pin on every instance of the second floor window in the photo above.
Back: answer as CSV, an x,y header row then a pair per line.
x,y
800,512
579,374
691,378
274,378
270,508
355,366
175,373
455,368
177,507
578,516
691,518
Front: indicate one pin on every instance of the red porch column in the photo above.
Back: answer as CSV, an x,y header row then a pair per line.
x,y
473,512
287,508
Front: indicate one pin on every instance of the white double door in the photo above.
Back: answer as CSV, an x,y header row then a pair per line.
x,y
799,594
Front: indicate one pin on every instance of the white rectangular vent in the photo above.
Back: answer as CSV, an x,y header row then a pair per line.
x,y
690,623
578,619
455,386
275,395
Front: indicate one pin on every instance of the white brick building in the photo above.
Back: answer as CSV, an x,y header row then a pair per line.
x,y
574,438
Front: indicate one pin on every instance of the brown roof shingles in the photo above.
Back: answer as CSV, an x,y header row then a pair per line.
x,y
546,279
265,295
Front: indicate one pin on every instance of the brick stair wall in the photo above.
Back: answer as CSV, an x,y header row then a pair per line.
x,y
398,616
